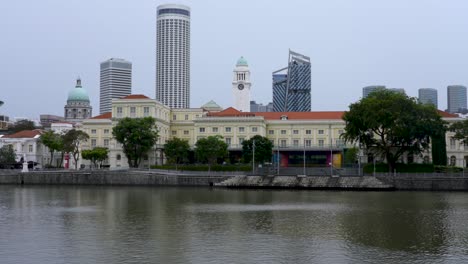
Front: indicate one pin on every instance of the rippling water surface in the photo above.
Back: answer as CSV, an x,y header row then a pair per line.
x,y
201,225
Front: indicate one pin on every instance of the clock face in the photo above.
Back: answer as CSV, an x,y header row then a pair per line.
x,y
240,86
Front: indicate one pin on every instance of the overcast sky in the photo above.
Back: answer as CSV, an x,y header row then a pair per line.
x,y
410,44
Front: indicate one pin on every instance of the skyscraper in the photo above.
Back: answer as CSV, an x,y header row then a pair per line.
x,y
427,96
115,82
456,98
173,55
369,89
292,86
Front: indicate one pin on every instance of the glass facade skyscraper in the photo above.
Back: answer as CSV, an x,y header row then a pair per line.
x,y
428,96
369,89
115,82
456,98
292,85
173,55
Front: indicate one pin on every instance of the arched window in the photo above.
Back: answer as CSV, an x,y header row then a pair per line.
x,y
453,160
118,157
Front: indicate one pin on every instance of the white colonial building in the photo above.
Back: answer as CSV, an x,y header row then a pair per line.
x,y
241,85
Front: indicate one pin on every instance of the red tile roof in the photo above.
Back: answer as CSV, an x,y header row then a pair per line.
x,y
107,115
302,115
25,134
230,111
446,114
136,96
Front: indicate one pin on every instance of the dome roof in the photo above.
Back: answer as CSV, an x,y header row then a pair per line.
x,y
242,62
78,94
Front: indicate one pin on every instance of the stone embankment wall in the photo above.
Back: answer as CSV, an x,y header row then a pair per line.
x,y
427,182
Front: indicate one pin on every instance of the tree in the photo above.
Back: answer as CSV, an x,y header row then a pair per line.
x,y
137,136
21,125
439,150
210,149
461,131
263,149
53,142
389,124
95,155
7,155
71,143
351,156
176,150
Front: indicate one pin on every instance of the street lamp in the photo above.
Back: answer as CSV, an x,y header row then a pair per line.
x,y
253,156
304,159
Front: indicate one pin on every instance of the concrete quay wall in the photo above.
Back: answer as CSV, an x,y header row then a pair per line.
x,y
427,182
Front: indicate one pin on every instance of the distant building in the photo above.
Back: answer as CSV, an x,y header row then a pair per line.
x,y
428,96
241,85
115,82
4,121
292,85
254,107
173,55
47,120
369,89
456,98
78,106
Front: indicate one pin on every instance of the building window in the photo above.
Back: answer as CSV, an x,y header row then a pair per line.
x,y
186,132
174,117
271,132
308,132
132,111
308,143
283,132
341,131
339,143
214,129
119,157
106,131
186,117
228,129
241,140
452,143
453,160
254,129
174,132
93,142
241,129
202,130
295,132
296,142
30,148
320,132
146,111
228,141
119,111
320,142
106,142
93,131
283,143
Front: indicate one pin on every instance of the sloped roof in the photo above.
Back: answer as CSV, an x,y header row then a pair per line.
x,y
136,96
302,115
107,115
230,112
211,104
25,134
447,114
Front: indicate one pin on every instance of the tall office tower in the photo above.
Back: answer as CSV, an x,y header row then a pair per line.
x,y
173,55
241,85
115,82
456,98
369,89
292,86
428,96
254,107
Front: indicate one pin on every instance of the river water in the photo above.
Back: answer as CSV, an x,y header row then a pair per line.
x,y
202,225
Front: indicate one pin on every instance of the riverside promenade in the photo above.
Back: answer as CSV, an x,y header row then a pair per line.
x,y
422,182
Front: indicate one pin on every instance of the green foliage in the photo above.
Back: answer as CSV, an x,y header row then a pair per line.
x,y
7,155
176,150
447,169
210,149
71,143
137,136
204,167
439,150
53,141
351,155
263,149
95,155
21,125
461,131
390,124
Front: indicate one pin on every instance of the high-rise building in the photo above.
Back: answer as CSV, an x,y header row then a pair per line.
x,y
254,107
456,98
369,89
115,82
173,55
292,85
241,85
428,96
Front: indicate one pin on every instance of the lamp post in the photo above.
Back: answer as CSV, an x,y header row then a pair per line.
x,y
304,172
331,150
278,160
253,156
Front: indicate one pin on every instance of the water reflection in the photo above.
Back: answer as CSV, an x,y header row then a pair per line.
x,y
186,225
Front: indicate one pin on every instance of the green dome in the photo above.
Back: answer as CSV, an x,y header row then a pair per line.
x,y
242,62
78,94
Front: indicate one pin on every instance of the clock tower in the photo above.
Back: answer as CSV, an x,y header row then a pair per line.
x,y
241,86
